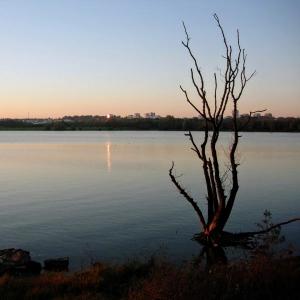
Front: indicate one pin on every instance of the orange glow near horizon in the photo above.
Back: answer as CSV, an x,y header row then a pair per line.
x,y
56,102
24,108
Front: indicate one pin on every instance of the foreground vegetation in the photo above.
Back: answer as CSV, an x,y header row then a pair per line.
x,y
261,277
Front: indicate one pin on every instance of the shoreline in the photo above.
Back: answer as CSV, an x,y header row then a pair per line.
x,y
158,278
130,130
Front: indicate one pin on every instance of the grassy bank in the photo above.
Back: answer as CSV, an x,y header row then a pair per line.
x,y
259,278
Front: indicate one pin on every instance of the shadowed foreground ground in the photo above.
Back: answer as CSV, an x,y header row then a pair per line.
x,y
259,278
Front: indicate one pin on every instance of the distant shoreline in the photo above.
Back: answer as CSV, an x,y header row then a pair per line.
x,y
120,130
125,129
90,123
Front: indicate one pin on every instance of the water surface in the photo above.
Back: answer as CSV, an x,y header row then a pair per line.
x,y
107,195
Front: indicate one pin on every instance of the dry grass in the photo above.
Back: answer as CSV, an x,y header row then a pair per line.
x,y
261,278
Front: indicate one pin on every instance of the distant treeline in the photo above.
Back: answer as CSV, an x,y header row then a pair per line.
x,y
167,123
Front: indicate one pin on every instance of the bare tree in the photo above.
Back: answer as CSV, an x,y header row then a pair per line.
x,y
228,91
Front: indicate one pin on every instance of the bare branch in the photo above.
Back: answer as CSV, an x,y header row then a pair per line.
x,y
195,147
250,117
200,89
187,197
186,45
250,233
216,88
192,104
222,31
187,35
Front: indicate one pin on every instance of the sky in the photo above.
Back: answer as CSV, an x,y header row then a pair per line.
x,y
70,57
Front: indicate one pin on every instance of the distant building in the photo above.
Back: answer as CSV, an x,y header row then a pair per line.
x,y
268,115
109,116
151,115
137,115
66,120
134,116
38,121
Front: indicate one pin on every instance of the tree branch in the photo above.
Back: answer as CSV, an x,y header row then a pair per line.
x,y
187,197
250,233
250,117
192,104
195,147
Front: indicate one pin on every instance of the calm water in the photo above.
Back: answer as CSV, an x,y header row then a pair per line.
x,y
107,195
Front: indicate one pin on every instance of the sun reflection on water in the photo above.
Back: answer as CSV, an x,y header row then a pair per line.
x,y
108,156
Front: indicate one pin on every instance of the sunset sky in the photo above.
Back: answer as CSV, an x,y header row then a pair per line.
x,y
72,57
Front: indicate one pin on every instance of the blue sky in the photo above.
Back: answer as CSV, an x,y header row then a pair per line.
x,y
97,57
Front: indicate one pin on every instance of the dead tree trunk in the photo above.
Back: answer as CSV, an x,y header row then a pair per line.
x,y
234,79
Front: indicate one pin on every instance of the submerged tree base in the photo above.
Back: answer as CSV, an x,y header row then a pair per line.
x,y
268,234
226,239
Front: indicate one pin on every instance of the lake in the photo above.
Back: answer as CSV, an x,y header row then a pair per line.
x,y
107,195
